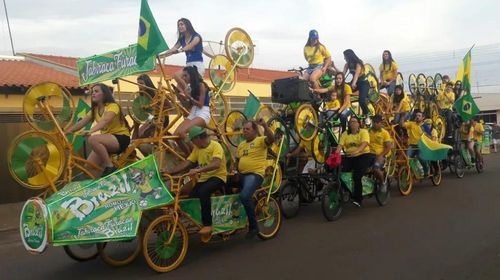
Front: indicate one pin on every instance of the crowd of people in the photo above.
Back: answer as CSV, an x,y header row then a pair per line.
x,y
363,148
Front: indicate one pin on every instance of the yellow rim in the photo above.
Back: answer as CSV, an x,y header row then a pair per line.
x,y
222,73
107,258
306,122
239,47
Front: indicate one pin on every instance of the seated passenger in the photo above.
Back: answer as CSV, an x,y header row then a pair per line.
x,y
415,131
252,157
467,134
445,101
400,104
478,137
208,160
114,134
355,143
380,146
304,146
318,57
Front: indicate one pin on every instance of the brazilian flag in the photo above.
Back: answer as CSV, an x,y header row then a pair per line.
x,y
466,107
149,41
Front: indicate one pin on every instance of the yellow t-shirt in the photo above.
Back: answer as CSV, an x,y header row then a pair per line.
x,y
405,104
316,54
115,126
388,71
351,142
378,139
414,132
340,94
443,101
478,132
204,156
252,156
332,105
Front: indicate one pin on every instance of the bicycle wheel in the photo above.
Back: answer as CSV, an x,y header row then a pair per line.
x,y
268,216
438,81
405,182
412,84
35,160
399,80
373,93
121,253
421,84
280,131
321,147
383,197
431,86
160,255
436,173
289,199
306,122
239,47
233,127
81,252
268,176
139,107
331,202
459,166
479,165
222,73
440,126
368,69
218,108
265,112
56,99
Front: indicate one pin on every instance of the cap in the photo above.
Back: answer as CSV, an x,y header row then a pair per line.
x,y
313,34
194,132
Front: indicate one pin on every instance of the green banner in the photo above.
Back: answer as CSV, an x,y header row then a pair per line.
x,y
227,212
108,208
81,111
111,65
486,145
368,184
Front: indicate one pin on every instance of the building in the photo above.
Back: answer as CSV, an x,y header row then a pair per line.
x,y
19,73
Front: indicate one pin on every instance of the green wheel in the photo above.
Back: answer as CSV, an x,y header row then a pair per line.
x,y
239,47
268,217
139,107
281,132
222,73
373,93
331,202
405,183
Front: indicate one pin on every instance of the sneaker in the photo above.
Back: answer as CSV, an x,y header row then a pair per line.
x,y
108,170
205,230
252,232
356,203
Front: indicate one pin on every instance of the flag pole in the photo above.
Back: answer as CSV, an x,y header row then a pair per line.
x,y
8,27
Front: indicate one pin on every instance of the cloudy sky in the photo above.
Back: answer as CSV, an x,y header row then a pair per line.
x,y
278,28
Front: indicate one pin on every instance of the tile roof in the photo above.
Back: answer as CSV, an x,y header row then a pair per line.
x,y
25,73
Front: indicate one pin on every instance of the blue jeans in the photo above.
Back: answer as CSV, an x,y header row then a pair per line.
x,y
343,118
363,88
413,152
249,182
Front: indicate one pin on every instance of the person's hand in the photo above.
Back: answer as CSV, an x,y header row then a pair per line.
x,y
85,133
193,172
261,122
353,86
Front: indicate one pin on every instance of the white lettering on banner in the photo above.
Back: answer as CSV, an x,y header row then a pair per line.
x,y
37,231
120,61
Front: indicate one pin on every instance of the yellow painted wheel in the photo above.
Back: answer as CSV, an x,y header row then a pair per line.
x,y
431,87
370,70
281,133
35,159
56,99
405,180
306,122
321,147
268,216
239,47
161,255
278,177
421,84
218,108
222,73
233,127
412,84
139,107
438,82
121,253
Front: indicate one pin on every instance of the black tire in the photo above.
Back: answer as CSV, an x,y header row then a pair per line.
x,y
289,199
437,173
121,253
331,202
82,252
383,197
479,166
459,166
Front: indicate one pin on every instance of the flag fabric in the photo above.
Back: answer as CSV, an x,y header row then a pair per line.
x,y
252,105
432,150
466,107
149,41
81,111
464,72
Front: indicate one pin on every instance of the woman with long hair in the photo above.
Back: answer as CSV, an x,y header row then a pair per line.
x,y
189,42
356,144
388,72
400,104
110,121
359,81
196,93
318,57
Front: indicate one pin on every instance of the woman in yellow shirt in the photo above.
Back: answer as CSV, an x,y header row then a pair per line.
x,y
343,92
388,72
400,104
356,144
115,133
252,157
318,57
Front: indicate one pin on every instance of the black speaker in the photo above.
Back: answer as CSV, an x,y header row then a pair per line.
x,y
290,90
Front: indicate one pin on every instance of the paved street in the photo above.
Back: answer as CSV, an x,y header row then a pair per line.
x,y
446,232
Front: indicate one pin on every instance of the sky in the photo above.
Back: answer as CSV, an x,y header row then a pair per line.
x,y
279,28
426,36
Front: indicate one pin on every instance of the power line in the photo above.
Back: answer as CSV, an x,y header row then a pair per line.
x,y
8,26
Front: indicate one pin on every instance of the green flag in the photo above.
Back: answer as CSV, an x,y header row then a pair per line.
x,y
81,111
466,107
464,71
252,105
149,41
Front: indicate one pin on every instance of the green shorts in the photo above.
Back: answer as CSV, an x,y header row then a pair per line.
x,y
478,145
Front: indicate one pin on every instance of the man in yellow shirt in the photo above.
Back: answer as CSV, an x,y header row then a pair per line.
x,y
380,146
445,101
415,132
388,72
252,157
318,57
208,160
478,137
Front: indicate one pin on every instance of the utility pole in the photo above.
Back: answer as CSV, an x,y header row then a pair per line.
x,y
8,26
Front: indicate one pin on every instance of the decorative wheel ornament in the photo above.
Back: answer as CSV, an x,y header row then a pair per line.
x,y
222,73
239,47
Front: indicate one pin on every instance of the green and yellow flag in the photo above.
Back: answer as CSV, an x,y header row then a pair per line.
x,y
464,72
466,107
149,41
